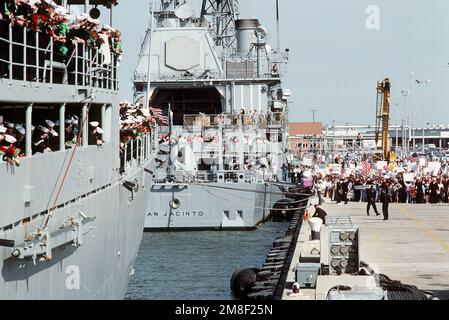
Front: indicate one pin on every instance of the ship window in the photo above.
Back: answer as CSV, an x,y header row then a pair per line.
x,y
13,118
46,131
73,114
95,126
46,117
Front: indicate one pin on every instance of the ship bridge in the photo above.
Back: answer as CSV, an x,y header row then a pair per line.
x,y
198,65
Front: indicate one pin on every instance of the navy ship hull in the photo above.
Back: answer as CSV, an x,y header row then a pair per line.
x,y
209,206
91,241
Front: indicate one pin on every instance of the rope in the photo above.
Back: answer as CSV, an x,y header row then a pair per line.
x,y
271,231
399,291
69,165
252,206
396,290
283,203
254,191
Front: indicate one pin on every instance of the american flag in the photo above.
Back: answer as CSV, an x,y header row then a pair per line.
x,y
157,113
343,173
366,169
162,119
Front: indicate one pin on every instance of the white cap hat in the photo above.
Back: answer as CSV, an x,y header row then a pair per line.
x,y
54,133
43,129
75,120
10,139
145,112
50,123
108,27
2,129
21,130
68,121
99,130
9,124
94,124
82,16
60,10
49,2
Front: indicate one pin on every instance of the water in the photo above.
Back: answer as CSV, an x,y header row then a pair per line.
x,y
197,265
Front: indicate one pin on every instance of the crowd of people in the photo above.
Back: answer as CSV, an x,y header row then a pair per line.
x,y
44,137
135,121
56,21
410,180
355,188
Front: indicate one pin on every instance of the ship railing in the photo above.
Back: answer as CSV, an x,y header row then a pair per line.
x,y
28,55
224,176
193,75
234,54
243,65
136,152
258,120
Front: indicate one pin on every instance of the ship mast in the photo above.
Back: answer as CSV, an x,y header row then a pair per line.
x,y
222,15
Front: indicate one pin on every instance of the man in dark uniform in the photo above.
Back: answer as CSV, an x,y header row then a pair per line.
x,y
346,190
419,192
385,198
357,192
320,213
42,142
434,188
371,198
339,191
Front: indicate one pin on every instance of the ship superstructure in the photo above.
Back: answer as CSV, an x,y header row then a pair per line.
x,y
218,82
72,211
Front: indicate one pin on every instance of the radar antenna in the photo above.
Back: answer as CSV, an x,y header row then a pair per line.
x,y
222,15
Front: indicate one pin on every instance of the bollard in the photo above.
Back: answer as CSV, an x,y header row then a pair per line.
x,y
315,225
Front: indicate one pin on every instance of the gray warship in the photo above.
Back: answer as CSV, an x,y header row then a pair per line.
x,y
71,220
219,84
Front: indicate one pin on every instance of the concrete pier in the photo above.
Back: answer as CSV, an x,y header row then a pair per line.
x,y
412,246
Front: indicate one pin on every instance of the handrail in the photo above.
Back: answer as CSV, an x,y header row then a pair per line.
x,y
28,51
136,151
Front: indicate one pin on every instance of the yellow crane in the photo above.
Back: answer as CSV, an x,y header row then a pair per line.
x,y
383,118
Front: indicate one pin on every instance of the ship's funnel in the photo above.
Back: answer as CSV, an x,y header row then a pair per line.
x,y
246,33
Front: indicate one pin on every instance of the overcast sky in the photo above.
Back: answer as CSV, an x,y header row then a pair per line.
x,y
335,58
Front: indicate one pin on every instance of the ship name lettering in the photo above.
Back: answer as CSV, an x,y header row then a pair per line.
x,y
178,214
153,214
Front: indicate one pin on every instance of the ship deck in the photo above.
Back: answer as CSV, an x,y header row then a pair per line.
x,y
412,246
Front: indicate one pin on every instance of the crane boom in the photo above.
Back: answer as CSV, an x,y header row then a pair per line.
x,y
383,117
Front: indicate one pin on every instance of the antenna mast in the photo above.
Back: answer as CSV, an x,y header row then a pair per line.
x,y
222,15
278,28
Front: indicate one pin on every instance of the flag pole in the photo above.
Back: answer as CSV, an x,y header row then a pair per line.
x,y
170,125
150,36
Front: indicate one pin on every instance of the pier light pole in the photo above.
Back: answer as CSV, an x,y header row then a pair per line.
x,y
412,107
397,127
314,111
423,84
405,94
